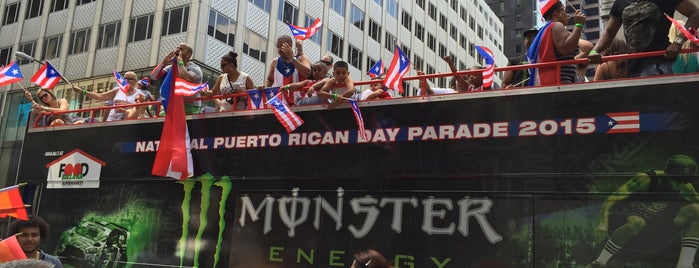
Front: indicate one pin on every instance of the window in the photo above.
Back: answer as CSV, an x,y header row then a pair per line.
x,y
480,32
59,5
390,42
141,28
34,8
5,55
27,48
380,2
431,43
369,63
221,28
593,11
406,20
454,5
418,62
79,40
430,70
357,17
375,30
594,35
463,14
255,45
392,8
471,23
442,50
462,41
318,36
338,6
462,65
175,21
442,82
420,3
452,31
419,31
355,57
288,13
443,21
592,24
52,47
108,35
406,50
263,4
472,51
432,11
11,14
335,43
81,2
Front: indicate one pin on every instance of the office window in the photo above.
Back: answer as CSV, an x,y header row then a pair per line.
x,y
79,41
443,21
442,82
357,17
59,5
109,35
454,5
221,27
335,43
263,4
82,2
11,14
431,41
471,23
592,24
380,2
141,28
430,70
419,31
480,32
463,14
288,13
406,20
52,47
418,62
406,50
375,30
462,65
472,51
318,36
392,8
420,3
442,50
592,35
390,42
432,11
593,11
26,48
338,6
355,57
369,63
462,41
5,55
34,8
452,31
175,21
255,45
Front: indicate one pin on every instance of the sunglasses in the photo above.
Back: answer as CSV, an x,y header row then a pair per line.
x,y
327,62
43,95
130,78
224,65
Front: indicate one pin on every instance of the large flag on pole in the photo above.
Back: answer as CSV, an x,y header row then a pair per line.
x,y
487,55
174,156
11,203
47,76
691,37
302,33
286,116
10,74
542,50
399,67
10,250
121,82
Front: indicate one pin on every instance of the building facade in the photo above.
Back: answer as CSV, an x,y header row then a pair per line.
x,y
519,16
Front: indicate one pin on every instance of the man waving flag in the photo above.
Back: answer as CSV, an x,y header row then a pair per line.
x,y
399,67
47,76
302,33
10,74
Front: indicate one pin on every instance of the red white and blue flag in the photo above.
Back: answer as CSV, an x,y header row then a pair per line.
x,y
399,67
255,99
47,76
358,117
690,36
121,82
487,55
376,70
184,88
542,50
270,92
286,116
10,74
302,33
624,122
544,5
174,156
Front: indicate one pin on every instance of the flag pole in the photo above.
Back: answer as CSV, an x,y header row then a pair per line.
x,y
27,57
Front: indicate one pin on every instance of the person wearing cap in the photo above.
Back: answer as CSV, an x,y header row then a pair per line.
x,y
518,78
633,213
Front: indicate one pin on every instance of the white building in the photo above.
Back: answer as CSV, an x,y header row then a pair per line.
x,y
87,39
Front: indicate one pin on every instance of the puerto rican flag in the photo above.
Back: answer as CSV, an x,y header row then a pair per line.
x,y
270,92
358,117
489,65
255,99
47,76
11,250
542,50
184,88
286,117
376,70
691,37
623,122
121,82
10,74
399,67
302,33
544,5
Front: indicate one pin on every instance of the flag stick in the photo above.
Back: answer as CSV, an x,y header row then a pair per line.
x,y
27,57
571,5
518,84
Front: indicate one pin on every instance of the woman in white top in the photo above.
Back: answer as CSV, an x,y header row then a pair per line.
x,y
119,97
231,81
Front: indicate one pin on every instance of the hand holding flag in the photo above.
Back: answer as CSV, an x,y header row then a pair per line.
x,y
10,74
487,54
302,33
399,67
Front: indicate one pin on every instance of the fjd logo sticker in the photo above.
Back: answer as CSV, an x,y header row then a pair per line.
x,y
75,169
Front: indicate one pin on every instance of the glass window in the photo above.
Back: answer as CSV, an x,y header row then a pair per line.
x,y
471,23
463,14
454,5
390,42
406,50
338,6
318,36
430,70
221,28
370,63
462,41
59,5
452,31
432,11
34,8
380,2
406,20
79,41
255,45
420,3
419,31
335,44
592,24
141,28
27,48
52,47
5,55
375,30
431,41
418,62
11,14
443,22
175,21
357,17
109,35
81,2
392,8
442,50
355,57
288,13
263,4
480,32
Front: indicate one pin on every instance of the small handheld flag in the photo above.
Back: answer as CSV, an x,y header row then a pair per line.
x,y
376,70
121,82
10,250
10,74
302,33
489,65
47,76
184,88
11,203
255,99
289,120
358,117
